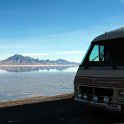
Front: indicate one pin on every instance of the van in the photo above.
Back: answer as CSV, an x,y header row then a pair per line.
x,y
99,81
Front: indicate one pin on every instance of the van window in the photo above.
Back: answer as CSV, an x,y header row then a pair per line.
x,y
115,52
97,54
94,56
109,52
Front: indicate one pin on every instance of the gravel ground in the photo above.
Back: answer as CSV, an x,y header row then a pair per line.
x,y
56,110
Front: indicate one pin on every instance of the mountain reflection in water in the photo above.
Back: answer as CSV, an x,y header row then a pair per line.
x,y
34,68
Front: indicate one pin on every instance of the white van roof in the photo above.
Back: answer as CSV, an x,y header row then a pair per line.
x,y
118,33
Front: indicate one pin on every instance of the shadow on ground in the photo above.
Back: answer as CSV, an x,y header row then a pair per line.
x,y
58,112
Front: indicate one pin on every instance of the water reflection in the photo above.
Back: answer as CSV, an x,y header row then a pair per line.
x,y
36,68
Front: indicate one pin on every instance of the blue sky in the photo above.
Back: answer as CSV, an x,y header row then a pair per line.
x,y
53,29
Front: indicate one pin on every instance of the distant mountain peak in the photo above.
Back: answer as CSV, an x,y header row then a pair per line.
x,y
25,60
17,55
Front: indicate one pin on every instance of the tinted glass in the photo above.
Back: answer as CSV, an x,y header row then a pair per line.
x,y
94,56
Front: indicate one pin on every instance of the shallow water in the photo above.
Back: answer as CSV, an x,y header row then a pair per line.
x,y
18,84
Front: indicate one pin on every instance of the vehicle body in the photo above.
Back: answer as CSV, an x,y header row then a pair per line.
x,y
99,80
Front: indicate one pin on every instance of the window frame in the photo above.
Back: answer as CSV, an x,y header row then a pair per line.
x,y
86,58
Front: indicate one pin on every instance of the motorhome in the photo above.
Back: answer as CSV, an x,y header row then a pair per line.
x,y
99,81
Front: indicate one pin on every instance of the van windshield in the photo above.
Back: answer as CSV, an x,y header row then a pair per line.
x,y
106,52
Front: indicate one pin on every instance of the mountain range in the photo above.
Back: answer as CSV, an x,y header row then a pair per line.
x,y
25,60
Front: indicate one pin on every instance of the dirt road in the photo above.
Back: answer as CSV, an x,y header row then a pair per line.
x,y
61,111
